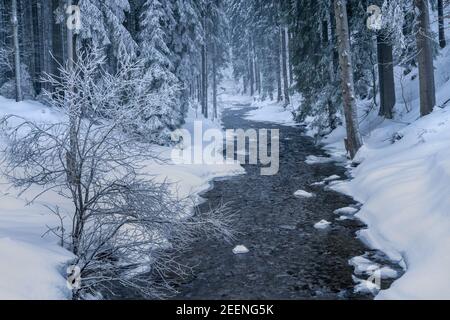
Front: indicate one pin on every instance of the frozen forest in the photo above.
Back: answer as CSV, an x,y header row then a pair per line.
x,y
224,149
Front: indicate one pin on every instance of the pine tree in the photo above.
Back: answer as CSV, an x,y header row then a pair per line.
x,y
103,26
155,22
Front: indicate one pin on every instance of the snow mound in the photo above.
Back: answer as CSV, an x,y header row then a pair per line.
x,y
303,194
332,178
344,218
388,273
240,250
322,225
362,265
347,211
365,286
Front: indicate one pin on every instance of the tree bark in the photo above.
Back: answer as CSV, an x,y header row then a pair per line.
x,y
73,114
442,41
214,73
291,54
58,40
386,76
284,68
205,67
354,140
17,72
251,70
278,71
204,81
29,40
425,58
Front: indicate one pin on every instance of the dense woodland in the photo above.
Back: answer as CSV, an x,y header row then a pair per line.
x,y
158,58
277,48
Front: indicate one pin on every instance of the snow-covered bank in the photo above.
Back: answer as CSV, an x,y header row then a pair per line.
x,y
32,266
403,182
272,111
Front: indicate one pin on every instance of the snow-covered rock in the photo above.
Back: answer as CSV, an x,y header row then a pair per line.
x,y
322,225
388,273
344,218
347,211
240,250
303,194
366,286
362,265
332,178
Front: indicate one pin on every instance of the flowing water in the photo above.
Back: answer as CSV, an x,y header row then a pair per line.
x,y
288,258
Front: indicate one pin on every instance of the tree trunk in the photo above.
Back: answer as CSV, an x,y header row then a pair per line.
x,y
386,76
199,90
36,46
291,54
251,72
29,40
278,71
17,72
442,41
354,140
58,39
326,45
214,72
73,114
258,76
204,82
284,67
288,56
425,58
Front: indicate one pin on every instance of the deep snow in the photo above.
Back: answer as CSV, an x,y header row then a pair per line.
x,y
33,266
404,183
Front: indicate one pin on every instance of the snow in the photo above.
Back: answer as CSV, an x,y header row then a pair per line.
x,y
317,160
33,266
344,218
271,111
322,225
240,249
332,178
363,265
347,211
388,273
303,194
403,182
365,286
